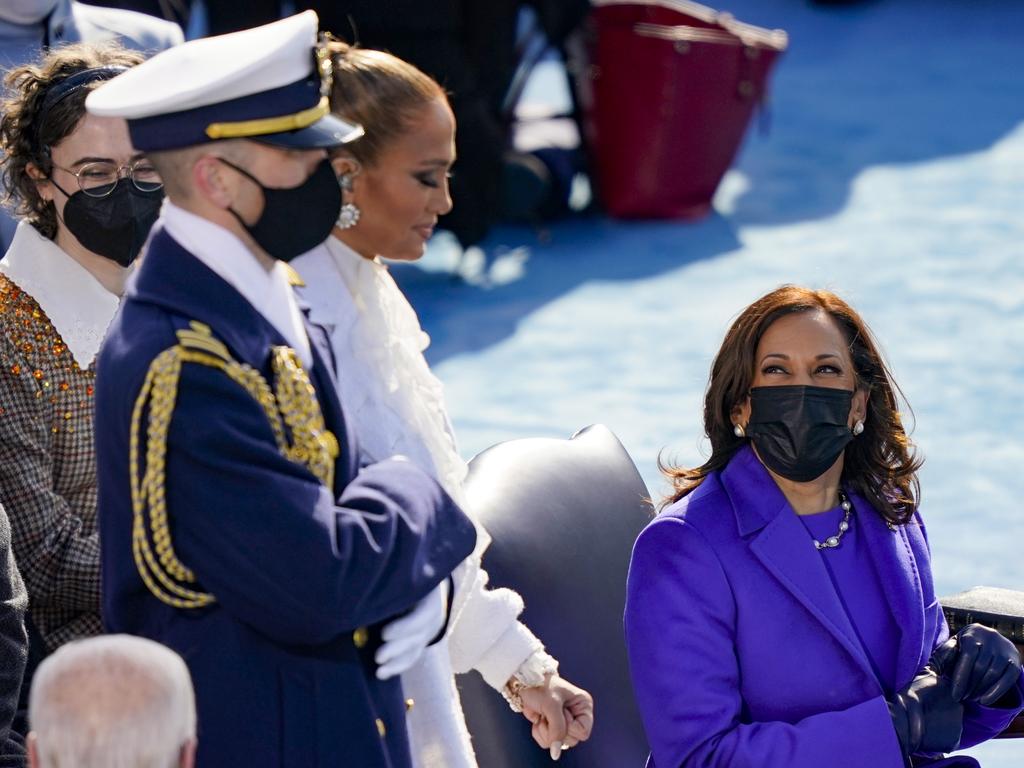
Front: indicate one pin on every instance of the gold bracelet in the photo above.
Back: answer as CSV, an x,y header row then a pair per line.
x,y
513,694
528,676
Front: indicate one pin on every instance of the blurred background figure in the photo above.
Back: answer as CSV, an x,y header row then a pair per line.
x,y
178,11
115,701
28,28
215,17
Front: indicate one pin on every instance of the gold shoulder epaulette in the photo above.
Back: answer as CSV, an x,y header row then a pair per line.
x,y
295,419
198,336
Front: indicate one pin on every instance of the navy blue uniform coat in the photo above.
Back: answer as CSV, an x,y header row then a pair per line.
x,y
295,567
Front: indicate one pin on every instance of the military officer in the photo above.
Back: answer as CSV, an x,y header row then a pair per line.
x,y
236,525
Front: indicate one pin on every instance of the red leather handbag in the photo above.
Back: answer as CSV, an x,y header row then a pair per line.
x,y
670,90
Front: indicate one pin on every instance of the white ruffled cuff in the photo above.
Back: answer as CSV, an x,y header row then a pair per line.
x,y
487,636
481,617
517,651
530,674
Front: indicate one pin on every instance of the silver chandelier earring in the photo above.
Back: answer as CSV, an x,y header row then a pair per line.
x,y
348,216
858,428
738,431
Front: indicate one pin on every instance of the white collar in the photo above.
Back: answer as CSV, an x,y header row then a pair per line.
x,y
359,273
270,293
77,304
321,269
348,261
374,300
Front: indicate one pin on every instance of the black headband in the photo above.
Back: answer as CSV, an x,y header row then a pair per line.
x,y
70,85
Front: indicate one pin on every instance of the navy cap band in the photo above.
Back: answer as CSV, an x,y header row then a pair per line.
x,y
189,127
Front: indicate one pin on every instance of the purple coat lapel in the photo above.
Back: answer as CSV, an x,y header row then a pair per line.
x,y
897,572
782,545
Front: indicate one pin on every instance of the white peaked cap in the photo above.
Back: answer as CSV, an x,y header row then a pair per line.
x,y
263,83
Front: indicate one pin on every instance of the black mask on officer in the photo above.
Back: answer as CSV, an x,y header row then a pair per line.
x,y
799,431
294,219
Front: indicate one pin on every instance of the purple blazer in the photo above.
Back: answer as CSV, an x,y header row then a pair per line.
x,y
740,649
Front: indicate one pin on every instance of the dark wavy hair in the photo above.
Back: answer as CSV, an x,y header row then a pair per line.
x,y
24,141
881,464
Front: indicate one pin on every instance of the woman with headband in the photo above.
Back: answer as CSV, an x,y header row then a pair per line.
x,y
85,202
394,182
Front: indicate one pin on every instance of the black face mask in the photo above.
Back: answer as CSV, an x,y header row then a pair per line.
x,y
115,226
295,219
799,431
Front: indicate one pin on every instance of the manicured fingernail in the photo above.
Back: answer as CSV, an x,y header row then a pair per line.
x,y
556,750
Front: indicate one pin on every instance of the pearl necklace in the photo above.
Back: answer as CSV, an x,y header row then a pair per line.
x,y
833,541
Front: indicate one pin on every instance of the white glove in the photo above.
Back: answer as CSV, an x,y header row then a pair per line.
x,y
406,639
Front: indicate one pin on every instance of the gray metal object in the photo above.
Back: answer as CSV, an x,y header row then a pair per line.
x,y
563,515
995,607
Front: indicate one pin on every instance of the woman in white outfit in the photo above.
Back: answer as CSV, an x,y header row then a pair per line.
x,y
395,185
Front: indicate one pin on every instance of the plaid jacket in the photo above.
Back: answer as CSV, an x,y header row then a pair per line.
x,y
48,469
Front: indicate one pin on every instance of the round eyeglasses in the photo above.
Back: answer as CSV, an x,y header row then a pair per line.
x,y
99,179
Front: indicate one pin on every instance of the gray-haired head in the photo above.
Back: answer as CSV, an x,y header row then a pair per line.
x,y
114,701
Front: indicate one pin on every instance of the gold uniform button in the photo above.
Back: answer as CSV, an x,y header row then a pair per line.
x,y
360,637
409,704
381,729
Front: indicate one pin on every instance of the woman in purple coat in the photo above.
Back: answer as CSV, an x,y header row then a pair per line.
x,y
781,610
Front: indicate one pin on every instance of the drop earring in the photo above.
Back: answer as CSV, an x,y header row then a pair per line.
x,y
738,431
348,216
858,428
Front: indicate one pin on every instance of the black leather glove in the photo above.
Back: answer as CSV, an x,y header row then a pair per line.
x,y
981,664
926,716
